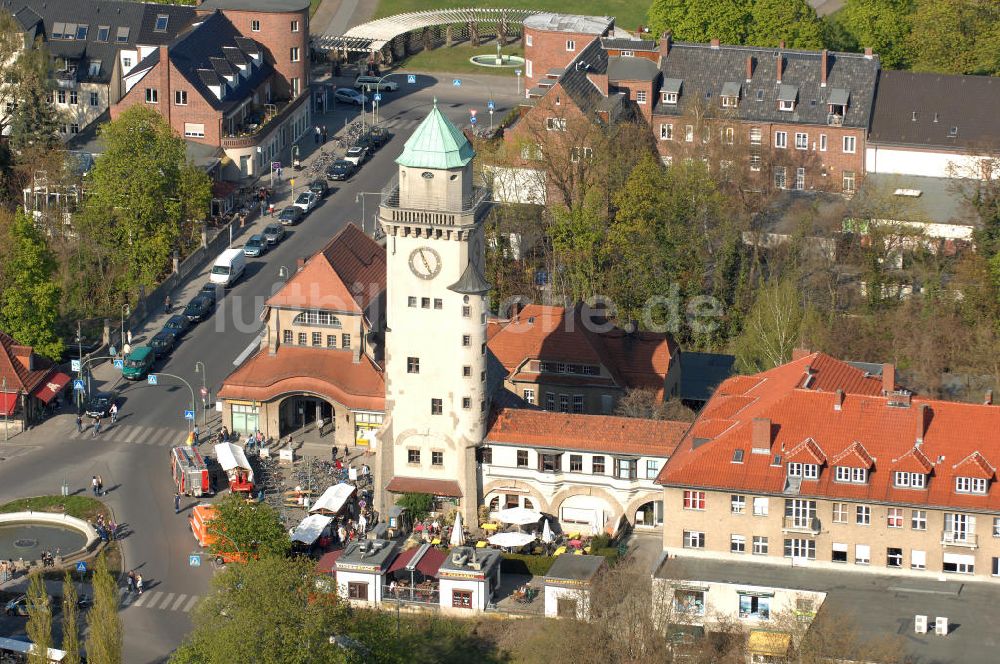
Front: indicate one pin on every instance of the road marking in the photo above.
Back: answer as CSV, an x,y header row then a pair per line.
x,y
179,601
166,602
140,434
168,437
142,598
190,604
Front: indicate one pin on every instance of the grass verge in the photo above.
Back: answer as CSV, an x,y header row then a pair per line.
x,y
455,59
81,507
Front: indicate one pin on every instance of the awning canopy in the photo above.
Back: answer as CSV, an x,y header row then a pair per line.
x,y
232,457
424,559
310,529
8,401
333,499
51,387
447,488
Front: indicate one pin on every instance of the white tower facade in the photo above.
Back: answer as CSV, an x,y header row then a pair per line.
x,y
436,305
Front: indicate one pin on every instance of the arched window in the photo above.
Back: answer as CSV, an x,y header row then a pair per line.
x,y
312,317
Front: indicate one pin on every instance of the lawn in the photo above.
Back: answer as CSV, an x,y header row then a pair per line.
x,y
629,14
455,59
81,507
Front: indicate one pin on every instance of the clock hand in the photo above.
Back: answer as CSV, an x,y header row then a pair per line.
x,y
424,259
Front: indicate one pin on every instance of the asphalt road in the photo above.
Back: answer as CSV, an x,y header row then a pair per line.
x,y
132,456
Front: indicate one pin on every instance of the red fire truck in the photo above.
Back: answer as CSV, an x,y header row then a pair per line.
x,y
189,472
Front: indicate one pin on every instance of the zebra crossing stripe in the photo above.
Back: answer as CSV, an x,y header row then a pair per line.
x,y
166,602
142,598
180,600
140,433
165,437
190,604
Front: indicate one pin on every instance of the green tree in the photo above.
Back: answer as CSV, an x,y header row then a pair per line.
x,y
70,622
268,611
248,529
35,121
39,626
701,20
578,235
793,21
29,306
104,626
418,505
956,36
883,25
772,328
141,196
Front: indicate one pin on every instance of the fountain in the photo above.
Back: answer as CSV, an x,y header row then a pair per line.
x,y
25,535
498,60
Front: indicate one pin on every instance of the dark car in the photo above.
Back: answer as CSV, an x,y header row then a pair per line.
x,y
319,188
163,342
198,309
210,291
290,216
340,170
178,325
255,246
374,139
18,607
99,405
273,233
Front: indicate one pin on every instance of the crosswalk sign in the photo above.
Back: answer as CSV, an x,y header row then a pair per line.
x,y
153,379
457,82
188,414
81,567
194,560
490,105
78,385
377,97
119,364
411,78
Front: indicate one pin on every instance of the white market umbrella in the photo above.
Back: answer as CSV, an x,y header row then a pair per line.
x,y
547,533
519,516
457,538
510,540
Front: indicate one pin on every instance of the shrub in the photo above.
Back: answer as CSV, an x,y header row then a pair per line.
x,y
602,541
417,504
519,563
610,553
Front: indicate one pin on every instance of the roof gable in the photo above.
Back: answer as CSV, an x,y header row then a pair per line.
x,y
808,451
913,461
855,456
975,465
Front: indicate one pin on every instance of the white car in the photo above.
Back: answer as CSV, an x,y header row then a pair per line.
x,y
357,155
306,201
379,84
349,96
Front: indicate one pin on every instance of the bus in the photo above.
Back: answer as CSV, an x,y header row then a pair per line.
x,y
16,651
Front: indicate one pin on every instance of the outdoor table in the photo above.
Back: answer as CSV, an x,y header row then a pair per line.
x,y
436,541
481,544
575,543
490,527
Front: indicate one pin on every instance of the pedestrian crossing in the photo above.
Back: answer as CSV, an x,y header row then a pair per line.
x,y
135,434
158,600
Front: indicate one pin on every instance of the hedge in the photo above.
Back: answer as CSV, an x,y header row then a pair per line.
x,y
519,563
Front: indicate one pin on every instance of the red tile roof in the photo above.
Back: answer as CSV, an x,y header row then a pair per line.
x,y
327,372
23,370
591,433
447,488
807,452
347,275
957,439
428,565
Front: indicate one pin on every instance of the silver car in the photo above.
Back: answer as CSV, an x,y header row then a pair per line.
x,y
306,201
349,96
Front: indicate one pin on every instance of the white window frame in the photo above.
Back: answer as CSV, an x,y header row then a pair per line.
x,y
760,506
254,25
786,105
756,161
894,517
800,178
756,135
973,485
193,133
822,142
689,133
863,515
801,140
666,131
906,480
839,514
640,96
737,504
862,554
295,26
180,98
529,395
152,96
918,559
670,98
571,45
781,139
780,177
694,539
728,135
918,519
737,544
760,545
851,475
728,101
694,500
294,54
528,41
849,176
850,144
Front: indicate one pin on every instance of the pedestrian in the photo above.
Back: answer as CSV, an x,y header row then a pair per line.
x,y
177,502
319,133
100,485
166,305
114,413
196,432
112,530
335,450
97,426
128,337
93,487
79,424
130,580
138,583
324,135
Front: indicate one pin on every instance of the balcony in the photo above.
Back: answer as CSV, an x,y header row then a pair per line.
x,y
795,524
835,120
255,122
456,215
951,538
66,78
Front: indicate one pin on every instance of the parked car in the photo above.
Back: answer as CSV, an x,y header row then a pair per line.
x,y
99,405
198,309
349,96
19,606
319,187
306,201
356,154
210,291
274,233
377,137
178,325
340,170
163,342
255,246
290,216
375,83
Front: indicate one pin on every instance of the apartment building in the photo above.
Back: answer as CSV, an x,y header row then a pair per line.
x,y
819,463
551,41
590,471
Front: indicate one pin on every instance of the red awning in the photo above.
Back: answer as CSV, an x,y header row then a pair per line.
x,y
328,563
428,565
52,386
446,488
8,401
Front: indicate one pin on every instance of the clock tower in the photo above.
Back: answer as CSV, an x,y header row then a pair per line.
x,y
436,397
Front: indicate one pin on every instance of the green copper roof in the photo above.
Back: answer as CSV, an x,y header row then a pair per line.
x,y
436,143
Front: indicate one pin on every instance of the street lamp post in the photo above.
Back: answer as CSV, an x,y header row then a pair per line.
x,y
375,102
190,389
360,198
6,418
204,392
79,373
126,311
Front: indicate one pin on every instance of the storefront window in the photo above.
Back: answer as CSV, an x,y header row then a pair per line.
x,y
754,607
245,418
690,601
461,599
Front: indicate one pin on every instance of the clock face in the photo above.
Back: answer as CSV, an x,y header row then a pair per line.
x,y
425,262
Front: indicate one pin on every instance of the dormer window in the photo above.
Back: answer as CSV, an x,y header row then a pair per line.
x,y
787,96
807,471
730,95
671,90
852,475
903,480
975,485
669,97
730,102
786,105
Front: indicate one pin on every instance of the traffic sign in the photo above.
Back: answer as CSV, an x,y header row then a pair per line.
x,y
490,105
472,112
473,119
81,567
194,560
153,379
188,414
377,97
74,365
517,72
457,82
78,385
119,364
203,390
275,165
411,78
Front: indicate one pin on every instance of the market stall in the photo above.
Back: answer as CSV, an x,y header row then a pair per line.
x,y
311,529
234,462
334,499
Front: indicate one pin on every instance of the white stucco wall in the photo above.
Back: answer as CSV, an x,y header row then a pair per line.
x,y
479,595
722,601
374,582
553,593
930,163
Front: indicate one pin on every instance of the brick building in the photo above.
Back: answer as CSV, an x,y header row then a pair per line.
x,y
552,41
238,79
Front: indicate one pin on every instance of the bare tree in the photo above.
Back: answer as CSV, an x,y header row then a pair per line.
x,y
647,404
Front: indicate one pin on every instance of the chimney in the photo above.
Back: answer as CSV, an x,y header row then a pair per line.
x,y
665,41
749,68
888,378
760,434
715,43
921,423
799,352
838,400
822,77
869,53
780,65
988,399
300,263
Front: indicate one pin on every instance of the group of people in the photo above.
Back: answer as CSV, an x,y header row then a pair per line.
x,y
96,427
97,485
106,530
8,568
320,134
134,581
